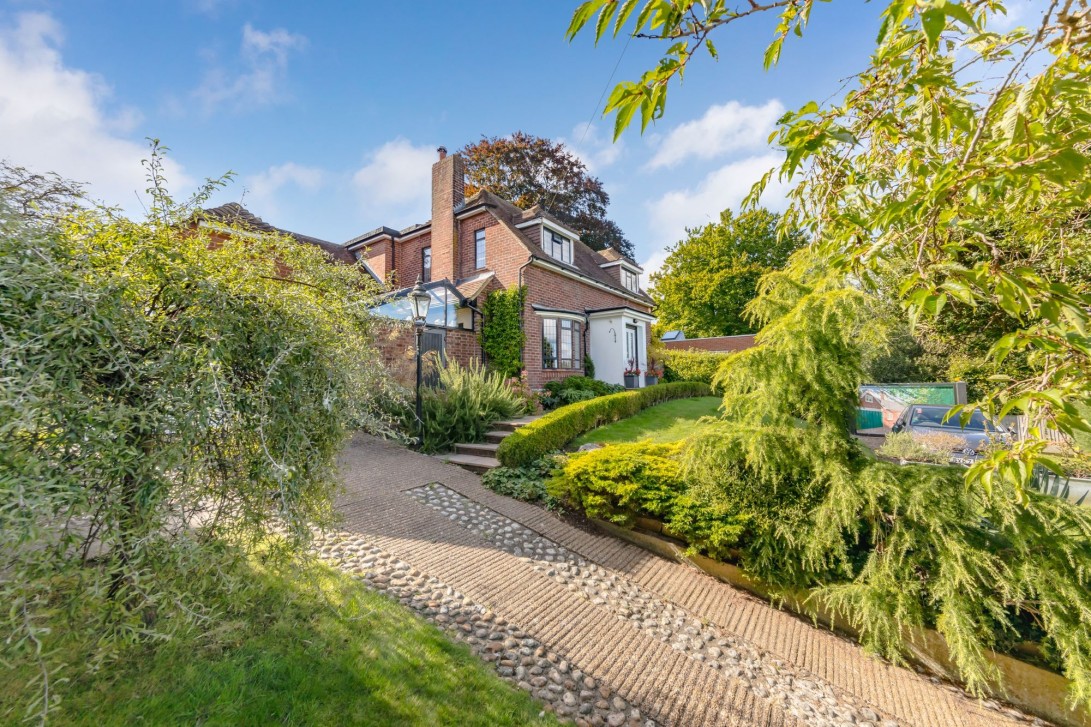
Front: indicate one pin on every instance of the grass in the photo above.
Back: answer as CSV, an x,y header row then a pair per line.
x,y
670,421
311,647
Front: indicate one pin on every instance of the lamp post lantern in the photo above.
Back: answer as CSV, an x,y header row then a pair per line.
x,y
420,299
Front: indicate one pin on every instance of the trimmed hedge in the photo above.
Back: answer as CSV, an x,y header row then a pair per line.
x,y
692,365
559,427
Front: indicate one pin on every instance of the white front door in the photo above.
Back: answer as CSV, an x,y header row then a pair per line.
x,y
632,350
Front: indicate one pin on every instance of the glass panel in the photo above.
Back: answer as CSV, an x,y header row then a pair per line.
x,y
479,248
566,344
426,264
549,343
440,312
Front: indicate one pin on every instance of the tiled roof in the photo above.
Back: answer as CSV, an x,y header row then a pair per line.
x,y
585,261
236,215
471,288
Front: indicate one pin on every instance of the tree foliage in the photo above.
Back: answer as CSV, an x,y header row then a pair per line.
x,y
890,548
951,132
502,336
165,399
530,170
708,278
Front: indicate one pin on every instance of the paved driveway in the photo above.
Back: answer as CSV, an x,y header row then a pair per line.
x,y
640,638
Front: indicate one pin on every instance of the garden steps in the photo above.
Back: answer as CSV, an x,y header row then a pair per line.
x,y
480,457
480,449
473,463
495,437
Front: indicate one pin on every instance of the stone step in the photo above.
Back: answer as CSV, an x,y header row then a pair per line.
x,y
496,436
477,465
479,449
512,424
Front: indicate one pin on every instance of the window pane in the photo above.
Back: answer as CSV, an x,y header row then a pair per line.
x,y
426,264
577,343
549,343
479,248
566,344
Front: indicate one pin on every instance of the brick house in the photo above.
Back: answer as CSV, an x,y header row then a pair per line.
x,y
579,302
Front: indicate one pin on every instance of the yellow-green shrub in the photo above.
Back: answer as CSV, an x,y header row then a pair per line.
x,y
556,429
692,365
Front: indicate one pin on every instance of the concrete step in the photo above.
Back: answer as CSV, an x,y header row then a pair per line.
x,y
478,465
512,424
496,436
481,449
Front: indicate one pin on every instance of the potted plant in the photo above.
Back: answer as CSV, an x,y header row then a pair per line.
x,y
632,376
656,356
651,377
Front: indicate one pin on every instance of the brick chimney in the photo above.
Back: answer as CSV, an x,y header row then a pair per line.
x,y
447,194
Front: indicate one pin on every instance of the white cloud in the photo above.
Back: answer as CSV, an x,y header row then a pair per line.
x,y
56,119
397,180
725,128
654,263
263,189
264,67
724,188
594,148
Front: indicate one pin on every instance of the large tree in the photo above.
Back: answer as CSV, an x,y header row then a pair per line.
x,y
951,130
711,275
530,170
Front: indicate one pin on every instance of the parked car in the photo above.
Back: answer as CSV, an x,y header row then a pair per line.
x,y
928,419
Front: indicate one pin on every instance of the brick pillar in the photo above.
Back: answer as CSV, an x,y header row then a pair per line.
x,y
447,194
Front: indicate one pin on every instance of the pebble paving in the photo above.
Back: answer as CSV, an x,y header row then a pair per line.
x,y
803,695
559,685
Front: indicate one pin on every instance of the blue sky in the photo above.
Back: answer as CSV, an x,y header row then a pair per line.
x,y
330,113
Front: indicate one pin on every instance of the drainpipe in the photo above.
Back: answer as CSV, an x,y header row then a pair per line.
x,y
522,311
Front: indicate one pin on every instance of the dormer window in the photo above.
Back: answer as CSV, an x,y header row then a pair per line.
x,y
559,247
630,280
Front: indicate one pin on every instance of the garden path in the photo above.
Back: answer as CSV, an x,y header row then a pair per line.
x,y
602,631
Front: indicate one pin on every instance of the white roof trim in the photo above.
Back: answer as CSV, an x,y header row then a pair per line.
x,y
587,280
558,314
625,264
623,312
551,225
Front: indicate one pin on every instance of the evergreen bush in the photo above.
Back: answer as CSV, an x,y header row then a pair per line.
x,y
559,427
464,404
575,388
691,365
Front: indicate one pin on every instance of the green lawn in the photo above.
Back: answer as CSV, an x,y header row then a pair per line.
x,y
667,422
327,652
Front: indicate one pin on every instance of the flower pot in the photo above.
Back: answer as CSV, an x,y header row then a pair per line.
x,y
631,382
651,379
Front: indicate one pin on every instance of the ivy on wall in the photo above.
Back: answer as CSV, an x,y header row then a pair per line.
x,y
502,335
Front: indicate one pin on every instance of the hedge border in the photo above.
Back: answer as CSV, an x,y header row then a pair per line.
x,y
559,427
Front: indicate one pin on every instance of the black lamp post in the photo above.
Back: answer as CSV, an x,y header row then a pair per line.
x,y
420,300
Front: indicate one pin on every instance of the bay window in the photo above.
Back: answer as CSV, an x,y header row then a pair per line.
x,y
562,343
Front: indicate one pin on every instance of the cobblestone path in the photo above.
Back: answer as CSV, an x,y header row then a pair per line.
x,y
602,632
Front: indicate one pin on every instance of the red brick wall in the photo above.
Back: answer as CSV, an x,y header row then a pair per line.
x,y
396,341
447,193
466,266
551,290
721,344
409,260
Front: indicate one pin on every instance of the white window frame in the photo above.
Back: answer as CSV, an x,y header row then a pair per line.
x,y
567,333
630,280
479,248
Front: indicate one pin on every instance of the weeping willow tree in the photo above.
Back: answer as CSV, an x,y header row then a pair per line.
x,y
891,549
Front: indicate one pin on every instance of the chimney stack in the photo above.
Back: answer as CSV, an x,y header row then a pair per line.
x,y
447,194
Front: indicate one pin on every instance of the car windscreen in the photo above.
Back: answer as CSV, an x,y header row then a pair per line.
x,y
927,416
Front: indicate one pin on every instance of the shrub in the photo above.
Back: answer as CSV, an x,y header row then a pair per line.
x,y
525,483
559,427
575,388
464,405
919,448
620,482
163,392
691,365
